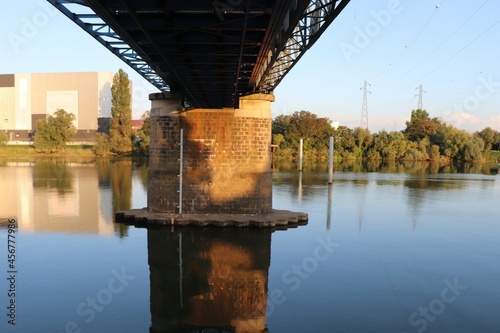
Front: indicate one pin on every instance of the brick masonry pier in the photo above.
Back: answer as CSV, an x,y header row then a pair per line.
x,y
226,163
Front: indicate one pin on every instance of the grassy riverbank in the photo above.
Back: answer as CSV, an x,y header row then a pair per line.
x,y
28,150
495,154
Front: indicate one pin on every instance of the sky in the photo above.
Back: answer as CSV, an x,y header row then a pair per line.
x,y
449,47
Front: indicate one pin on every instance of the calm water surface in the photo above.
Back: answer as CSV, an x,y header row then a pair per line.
x,y
395,249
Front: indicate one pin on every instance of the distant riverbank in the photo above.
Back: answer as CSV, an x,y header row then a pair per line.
x,y
76,150
29,150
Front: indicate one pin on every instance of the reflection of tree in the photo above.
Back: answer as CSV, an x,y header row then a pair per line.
x,y
53,174
141,167
117,174
419,185
416,198
103,173
120,174
209,280
121,187
407,167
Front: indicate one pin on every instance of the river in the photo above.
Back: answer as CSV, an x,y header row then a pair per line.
x,y
388,248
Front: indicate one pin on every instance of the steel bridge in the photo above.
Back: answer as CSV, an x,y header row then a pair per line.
x,y
210,51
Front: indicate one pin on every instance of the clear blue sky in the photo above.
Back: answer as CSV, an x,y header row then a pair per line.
x,y
453,51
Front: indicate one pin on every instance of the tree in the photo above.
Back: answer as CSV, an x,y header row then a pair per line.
x,y
143,134
101,146
120,133
489,136
391,145
303,125
307,125
362,137
3,137
281,125
473,150
420,125
54,132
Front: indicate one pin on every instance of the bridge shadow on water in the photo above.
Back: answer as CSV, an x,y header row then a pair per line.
x,y
208,280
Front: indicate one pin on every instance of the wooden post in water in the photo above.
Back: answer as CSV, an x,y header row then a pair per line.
x,y
330,162
301,148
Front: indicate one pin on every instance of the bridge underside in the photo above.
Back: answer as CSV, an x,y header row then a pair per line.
x,y
217,63
210,51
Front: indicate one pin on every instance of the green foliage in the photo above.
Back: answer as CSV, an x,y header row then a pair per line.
x,y
102,145
373,154
142,138
279,140
121,122
288,130
281,125
53,174
434,154
362,137
307,125
423,139
3,138
391,145
490,137
54,132
473,150
420,125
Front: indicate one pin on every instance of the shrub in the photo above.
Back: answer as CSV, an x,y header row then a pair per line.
x,y
54,132
102,145
3,138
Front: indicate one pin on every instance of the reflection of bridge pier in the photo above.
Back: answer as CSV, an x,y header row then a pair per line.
x,y
213,279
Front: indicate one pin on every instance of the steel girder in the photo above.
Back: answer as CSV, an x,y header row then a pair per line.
x,y
212,51
79,12
317,16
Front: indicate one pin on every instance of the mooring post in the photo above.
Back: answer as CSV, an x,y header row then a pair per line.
x,y
330,162
301,148
329,208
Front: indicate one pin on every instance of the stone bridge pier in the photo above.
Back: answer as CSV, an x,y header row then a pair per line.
x,y
226,158
225,171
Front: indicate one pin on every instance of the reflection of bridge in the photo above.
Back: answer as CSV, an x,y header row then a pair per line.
x,y
220,62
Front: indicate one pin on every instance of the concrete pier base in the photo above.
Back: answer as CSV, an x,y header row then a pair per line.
x,y
276,219
226,162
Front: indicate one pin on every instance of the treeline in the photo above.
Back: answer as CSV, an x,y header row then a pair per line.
x,y
424,139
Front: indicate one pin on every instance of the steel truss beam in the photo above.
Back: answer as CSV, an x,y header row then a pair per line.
x,y
88,20
318,15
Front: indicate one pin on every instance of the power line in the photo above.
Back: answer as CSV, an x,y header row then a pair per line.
x,y
453,56
441,44
419,32
459,51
